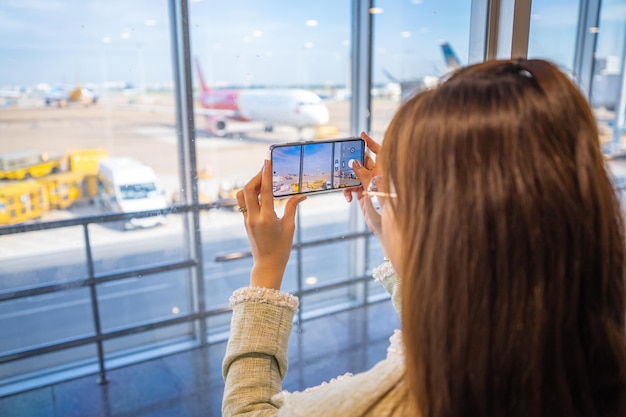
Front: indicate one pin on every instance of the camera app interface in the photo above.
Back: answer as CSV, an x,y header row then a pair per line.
x,y
314,167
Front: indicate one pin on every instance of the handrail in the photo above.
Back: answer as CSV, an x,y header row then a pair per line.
x,y
110,217
92,280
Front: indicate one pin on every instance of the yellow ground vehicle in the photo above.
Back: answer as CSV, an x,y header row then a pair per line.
x,y
22,200
27,164
314,185
59,183
326,132
85,162
63,189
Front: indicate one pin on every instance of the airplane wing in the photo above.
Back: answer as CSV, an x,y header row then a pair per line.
x,y
216,112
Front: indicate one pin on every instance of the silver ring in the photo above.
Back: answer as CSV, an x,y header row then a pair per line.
x,y
242,209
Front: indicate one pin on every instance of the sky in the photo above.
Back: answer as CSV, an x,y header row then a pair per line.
x,y
286,159
317,158
251,42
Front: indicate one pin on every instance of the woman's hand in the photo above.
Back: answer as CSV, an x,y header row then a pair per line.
x,y
271,237
365,175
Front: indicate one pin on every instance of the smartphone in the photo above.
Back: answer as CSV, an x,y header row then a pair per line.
x,y
312,167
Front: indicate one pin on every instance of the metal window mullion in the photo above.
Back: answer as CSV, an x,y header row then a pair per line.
x,y
479,30
584,52
620,110
181,60
508,26
361,66
95,310
360,115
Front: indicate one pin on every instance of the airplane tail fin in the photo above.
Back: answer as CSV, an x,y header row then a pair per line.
x,y
452,61
203,85
390,76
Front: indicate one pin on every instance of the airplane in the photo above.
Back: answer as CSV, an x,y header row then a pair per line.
x,y
59,97
292,107
408,88
9,98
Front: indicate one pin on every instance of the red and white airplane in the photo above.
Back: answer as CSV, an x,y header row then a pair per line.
x,y
292,107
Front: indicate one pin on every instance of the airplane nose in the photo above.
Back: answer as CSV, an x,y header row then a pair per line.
x,y
312,115
320,115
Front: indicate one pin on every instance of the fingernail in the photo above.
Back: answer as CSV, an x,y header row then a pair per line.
x,y
356,164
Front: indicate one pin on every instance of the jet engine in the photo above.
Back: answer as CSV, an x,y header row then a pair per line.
x,y
217,126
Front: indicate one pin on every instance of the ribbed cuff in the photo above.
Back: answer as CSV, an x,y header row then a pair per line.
x,y
265,295
383,271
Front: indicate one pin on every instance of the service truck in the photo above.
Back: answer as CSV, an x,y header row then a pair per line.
x,y
27,164
129,186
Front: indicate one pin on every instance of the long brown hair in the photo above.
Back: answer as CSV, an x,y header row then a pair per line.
x,y
513,247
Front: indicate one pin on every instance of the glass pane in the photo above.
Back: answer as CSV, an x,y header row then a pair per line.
x,y
49,367
553,31
224,237
87,122
55,256
114,250
274,74
331,300
48,318
415,43
606,88
143,299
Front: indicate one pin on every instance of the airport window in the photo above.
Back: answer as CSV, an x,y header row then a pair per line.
x,y
553,35
93,83
553,31
415,43
95,137
120,236
607,88
289,75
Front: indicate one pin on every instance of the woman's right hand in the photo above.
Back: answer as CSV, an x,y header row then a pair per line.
x,y
365,175
270,236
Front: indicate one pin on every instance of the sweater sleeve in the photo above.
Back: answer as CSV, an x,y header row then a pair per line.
x,y
387,276
255,362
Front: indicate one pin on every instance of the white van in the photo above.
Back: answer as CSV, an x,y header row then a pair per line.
x,y
128,186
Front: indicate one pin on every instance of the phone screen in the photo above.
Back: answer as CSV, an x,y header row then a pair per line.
x,y
315,167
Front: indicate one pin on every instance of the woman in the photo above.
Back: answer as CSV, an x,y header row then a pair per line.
x,y
498,214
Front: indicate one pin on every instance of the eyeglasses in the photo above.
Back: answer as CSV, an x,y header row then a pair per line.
x,y
377,198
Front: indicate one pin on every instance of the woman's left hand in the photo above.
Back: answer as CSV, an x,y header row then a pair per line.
x,y
365,175
271,237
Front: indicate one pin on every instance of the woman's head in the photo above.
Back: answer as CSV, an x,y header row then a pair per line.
x,y
511,246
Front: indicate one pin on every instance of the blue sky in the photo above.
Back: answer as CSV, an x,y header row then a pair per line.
x,y
318,158
250,42
286,160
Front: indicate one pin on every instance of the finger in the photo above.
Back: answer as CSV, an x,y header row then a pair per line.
x,y
371,143
348,195
251,194
241,200
267,199
370,163
362,173
290,208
